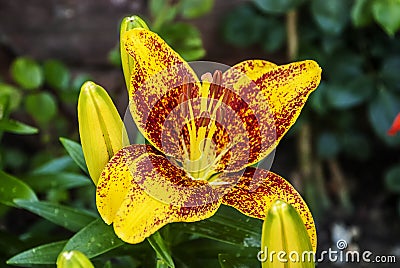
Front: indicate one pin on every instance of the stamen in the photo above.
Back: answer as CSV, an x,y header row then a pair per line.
x,y
184,106
207,77
205,119
187,87
216,84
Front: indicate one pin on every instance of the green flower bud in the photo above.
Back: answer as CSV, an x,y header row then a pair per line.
x,y
128,23
73,259
285,241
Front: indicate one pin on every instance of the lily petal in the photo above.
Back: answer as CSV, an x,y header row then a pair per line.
x,y
258,189
156,85
140,191
271,99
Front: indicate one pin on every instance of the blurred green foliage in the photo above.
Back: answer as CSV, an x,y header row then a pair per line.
x,y
43,94
166,19
355,43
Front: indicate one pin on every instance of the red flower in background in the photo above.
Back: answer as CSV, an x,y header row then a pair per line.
x,y
395,126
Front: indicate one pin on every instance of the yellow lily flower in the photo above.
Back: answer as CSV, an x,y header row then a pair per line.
x,y
101,129
204,137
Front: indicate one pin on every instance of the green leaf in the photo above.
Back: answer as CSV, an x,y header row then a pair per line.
x,y
355,92
44,254
70,218
318,100
228,226
159,246
41,106
387,15
16,127
59,180
74,149
331,16
390,72
356,145
192,9
56,74
185,39
343,66
94,240
27,73
281,6
231,261
243,26
79,80
114,57
392,179
328,145
275,35
54,165
12,188
188,252
156,6
381,111
361,13
12,94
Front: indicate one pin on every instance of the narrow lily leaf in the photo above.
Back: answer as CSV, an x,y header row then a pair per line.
x,y
44,254
158,244
73,259
230,261
12,188
74,149
94,240
70,218
60,180
228,226
54,165
16,127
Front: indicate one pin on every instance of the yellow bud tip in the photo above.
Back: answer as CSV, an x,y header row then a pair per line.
x,y
73,259
132,22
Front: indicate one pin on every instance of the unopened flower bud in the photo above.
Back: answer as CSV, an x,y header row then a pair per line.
x,y
285,241
100,127
127,24
73,259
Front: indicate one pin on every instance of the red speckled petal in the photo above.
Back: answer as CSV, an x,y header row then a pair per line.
x,y
140,191
156,86
268,99
257,190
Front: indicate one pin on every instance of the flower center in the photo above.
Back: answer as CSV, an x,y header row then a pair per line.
x,y
201,154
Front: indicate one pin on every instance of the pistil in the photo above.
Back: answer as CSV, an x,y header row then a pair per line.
x,y
200,155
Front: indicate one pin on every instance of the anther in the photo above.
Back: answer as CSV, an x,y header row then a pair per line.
x,y
216,84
